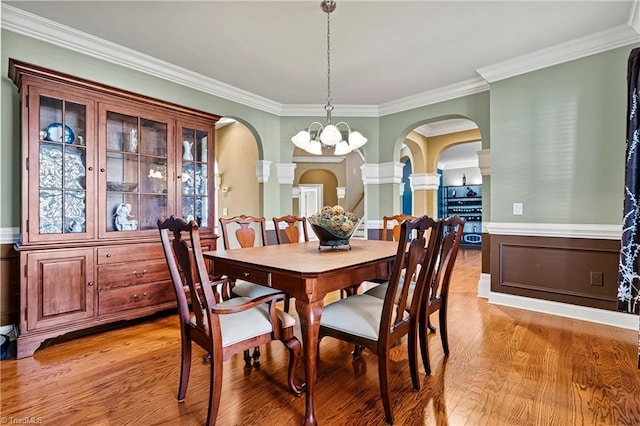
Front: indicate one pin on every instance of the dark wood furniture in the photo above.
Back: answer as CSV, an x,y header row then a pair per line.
x,y
377,324
396,220
436,295
209,324
99,167
242,232
307,275
291,231
464,201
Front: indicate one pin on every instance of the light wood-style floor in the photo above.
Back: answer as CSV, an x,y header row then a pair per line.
x,y
507,367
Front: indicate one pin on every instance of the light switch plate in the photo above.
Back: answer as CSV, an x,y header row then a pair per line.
x,y
517,209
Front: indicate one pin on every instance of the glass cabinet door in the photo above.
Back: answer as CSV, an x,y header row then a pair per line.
x,y
137,171
196,169
62,165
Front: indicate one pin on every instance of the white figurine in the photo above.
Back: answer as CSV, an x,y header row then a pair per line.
x,y
123,223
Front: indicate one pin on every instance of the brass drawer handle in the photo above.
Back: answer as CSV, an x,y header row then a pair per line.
x,y
137,298
140,275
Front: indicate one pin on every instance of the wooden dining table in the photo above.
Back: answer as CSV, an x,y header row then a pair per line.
x,y
308,273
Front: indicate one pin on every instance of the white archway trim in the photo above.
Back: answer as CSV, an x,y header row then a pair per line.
x,y
286,173
424,181
484,161
263,170
376,174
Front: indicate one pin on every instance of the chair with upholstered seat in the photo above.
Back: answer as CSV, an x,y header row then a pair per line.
x,y
241,232
289,229
377,324
436,295
395,220
291,233
222,329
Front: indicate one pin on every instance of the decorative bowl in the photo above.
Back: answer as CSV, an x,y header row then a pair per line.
x,y
328,239
121,186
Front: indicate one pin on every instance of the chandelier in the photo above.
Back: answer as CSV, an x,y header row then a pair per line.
x,y
316,136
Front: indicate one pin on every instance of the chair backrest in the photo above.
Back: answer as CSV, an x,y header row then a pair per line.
x,y
418,241
189,275
243,231
291,232
396,220
438,287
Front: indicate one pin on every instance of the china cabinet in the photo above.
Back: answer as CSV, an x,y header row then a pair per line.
x,y
466,202
100,166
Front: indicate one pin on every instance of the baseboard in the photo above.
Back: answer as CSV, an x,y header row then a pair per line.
x,y
599,316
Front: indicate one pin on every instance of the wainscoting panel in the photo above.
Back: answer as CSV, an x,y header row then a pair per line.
x,y
570,270
9,285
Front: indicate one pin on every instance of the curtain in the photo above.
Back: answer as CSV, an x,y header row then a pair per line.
x,y
629,279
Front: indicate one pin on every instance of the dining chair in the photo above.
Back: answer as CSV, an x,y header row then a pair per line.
x,y
290,234
380,290
377,324
241,232
291,231
396,220
222,329
436,294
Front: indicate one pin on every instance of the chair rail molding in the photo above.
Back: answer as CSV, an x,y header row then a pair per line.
x,y
9,235
558,230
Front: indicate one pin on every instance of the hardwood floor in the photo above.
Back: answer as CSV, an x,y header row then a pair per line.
x,y
507,367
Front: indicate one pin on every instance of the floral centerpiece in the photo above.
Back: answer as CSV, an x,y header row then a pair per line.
x,y
334,226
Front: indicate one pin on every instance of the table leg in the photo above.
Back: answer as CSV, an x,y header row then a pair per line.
x,y
309,314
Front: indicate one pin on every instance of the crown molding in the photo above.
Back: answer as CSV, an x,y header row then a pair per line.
x,y
453,91
445,127
30,25
634,16
558,230
579,48
316,110
452,165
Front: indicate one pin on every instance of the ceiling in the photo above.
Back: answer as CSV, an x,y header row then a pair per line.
x,y
381,51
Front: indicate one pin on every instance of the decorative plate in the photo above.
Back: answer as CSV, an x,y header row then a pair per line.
x,y
54,133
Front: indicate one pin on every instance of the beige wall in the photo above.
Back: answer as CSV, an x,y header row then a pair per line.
x,y
327,180
236,154
425,153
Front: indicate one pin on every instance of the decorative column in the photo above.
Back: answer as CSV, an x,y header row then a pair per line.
x,y
425,193
286,175
263,170
384,199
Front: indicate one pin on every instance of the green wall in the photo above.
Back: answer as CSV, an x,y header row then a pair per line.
x,y
556,135
558,142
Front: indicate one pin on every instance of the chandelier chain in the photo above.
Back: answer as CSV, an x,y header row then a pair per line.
x,y
329,107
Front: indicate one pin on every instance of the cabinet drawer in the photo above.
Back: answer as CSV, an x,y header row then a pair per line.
x,y
117,254
132,273
136,296
252,275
